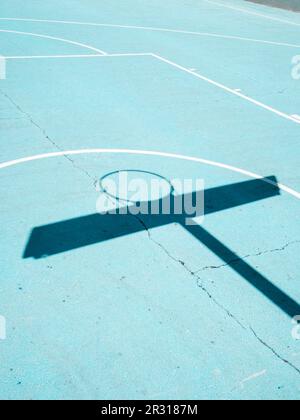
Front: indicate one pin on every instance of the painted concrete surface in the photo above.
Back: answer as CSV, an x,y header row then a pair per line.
x,y
147,307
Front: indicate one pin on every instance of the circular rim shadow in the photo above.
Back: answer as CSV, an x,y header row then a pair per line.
x,y
120,199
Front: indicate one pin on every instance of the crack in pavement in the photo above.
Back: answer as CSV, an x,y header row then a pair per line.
x,y
277,355
45,135
237,260
229,314
192,273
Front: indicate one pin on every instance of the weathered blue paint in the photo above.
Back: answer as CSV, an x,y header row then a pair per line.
x,y
164,313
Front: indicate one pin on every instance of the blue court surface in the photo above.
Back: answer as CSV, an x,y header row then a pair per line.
x,y
147,306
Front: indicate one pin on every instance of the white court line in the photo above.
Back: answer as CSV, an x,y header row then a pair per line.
x,y
229,90
156,29
251,12
149,153
31,57
192,72
78,44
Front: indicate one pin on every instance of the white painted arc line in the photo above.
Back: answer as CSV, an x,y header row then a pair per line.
x,y
156,29
68,41
29,57
249,174
284,188
229,90
251,12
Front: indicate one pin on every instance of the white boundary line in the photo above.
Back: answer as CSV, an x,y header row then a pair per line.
x,y
155,29
149,153
229,90
251,12
78,44
32,57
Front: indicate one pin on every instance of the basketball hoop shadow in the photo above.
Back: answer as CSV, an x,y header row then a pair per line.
x,y
68,235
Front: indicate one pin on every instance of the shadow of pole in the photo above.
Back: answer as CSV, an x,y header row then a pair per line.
x,y
240,266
